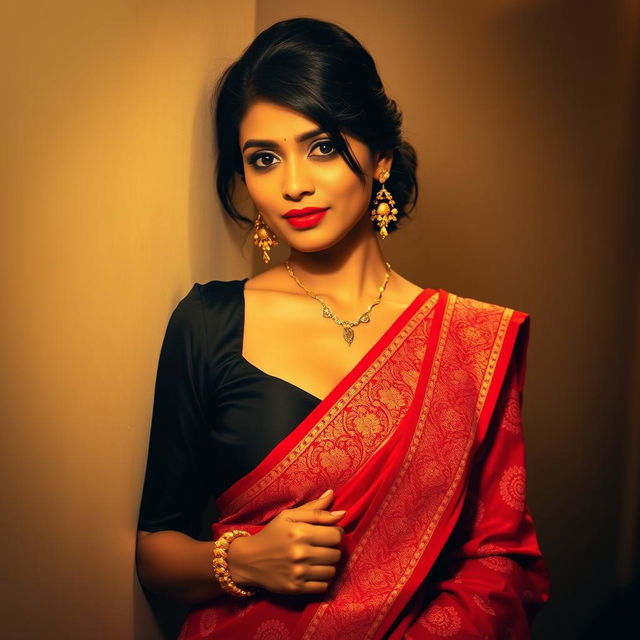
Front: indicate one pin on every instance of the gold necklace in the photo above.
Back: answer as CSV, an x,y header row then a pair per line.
x,y
347,325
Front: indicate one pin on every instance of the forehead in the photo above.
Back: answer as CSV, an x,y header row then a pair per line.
x,y
273,121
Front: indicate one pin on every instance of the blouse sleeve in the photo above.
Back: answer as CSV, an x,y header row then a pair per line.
x,y
491,578
175,491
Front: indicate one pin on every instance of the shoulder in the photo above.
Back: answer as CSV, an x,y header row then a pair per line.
x,y
478,327
402,290
217,294
274,280
482,312
207,305
212,295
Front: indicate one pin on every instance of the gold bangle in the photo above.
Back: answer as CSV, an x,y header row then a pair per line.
x,y
220,566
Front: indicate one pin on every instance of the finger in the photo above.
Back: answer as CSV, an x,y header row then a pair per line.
x,y
324,536
315,516
322,502
313,586
324,555
320,573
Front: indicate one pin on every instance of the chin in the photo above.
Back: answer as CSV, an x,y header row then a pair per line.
x,y
313,247
310,242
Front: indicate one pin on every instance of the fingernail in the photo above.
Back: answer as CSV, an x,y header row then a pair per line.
x,y
339,513
326,493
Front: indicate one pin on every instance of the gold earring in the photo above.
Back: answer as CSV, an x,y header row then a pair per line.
x,y
384,206
264,238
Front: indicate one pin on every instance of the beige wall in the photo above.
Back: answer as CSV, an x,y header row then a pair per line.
x,y
108,217
522,114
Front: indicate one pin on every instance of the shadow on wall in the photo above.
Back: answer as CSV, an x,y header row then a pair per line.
x,y
159,618
155,617
620,619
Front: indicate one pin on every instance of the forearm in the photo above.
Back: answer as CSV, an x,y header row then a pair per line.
x,y
173,564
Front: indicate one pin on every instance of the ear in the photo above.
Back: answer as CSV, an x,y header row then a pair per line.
x,y
382,161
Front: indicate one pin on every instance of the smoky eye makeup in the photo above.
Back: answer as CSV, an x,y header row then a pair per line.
x,y
322,149
262,159
327,148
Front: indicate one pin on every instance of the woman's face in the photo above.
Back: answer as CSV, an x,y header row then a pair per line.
x,y
291,165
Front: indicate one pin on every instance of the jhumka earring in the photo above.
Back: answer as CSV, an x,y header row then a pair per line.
x,y
384,206
264,238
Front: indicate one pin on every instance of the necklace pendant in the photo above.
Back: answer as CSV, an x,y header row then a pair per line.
x,y
347,334
347,327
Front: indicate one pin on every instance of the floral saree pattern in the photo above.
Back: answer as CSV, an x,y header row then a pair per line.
x,y
422,444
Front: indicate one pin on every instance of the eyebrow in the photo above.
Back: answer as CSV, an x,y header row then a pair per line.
x,y
272,144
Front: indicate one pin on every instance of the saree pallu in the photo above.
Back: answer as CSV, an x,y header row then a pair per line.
x,y
422,444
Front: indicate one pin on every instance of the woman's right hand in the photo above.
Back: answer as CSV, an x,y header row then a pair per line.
x,y
295,553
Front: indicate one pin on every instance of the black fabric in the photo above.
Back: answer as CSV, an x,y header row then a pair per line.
x,y
215,415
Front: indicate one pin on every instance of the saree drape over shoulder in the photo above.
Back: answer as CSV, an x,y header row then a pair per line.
x,y
423,446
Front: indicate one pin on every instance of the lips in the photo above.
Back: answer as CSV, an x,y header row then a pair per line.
x,y
305,218
297,213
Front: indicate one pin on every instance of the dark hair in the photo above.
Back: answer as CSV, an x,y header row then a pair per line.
x,y
320,70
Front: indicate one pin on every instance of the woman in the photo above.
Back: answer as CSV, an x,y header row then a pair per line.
x,y
362,434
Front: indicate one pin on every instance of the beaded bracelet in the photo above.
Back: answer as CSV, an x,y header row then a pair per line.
x,y
220,566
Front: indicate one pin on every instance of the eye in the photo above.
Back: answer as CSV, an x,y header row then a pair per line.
x,y
263,160
324,147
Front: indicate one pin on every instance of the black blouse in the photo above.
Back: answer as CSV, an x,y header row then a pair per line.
x,y
215,415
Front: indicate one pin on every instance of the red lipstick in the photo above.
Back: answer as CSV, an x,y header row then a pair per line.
x,y
303,212
305,218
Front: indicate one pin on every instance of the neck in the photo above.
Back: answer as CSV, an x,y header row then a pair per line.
x,y
349,273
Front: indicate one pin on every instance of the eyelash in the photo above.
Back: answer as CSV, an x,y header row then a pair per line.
x,y
253,159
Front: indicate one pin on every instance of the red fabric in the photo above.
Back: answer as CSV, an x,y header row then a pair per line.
x,y
490,579
426,424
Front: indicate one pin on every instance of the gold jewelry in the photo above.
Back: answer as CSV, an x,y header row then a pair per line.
x,y
264,238
384,206
347,326
220,566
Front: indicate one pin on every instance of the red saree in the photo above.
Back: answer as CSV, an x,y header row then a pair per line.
x,y
422,443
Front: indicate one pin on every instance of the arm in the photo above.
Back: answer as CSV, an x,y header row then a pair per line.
x,y
491,577
174,564
169,559
295,553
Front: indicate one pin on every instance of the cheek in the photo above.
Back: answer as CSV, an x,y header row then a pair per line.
x,y
345,186
259,190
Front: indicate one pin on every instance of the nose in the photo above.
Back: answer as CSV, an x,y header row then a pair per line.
x,y
296,181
